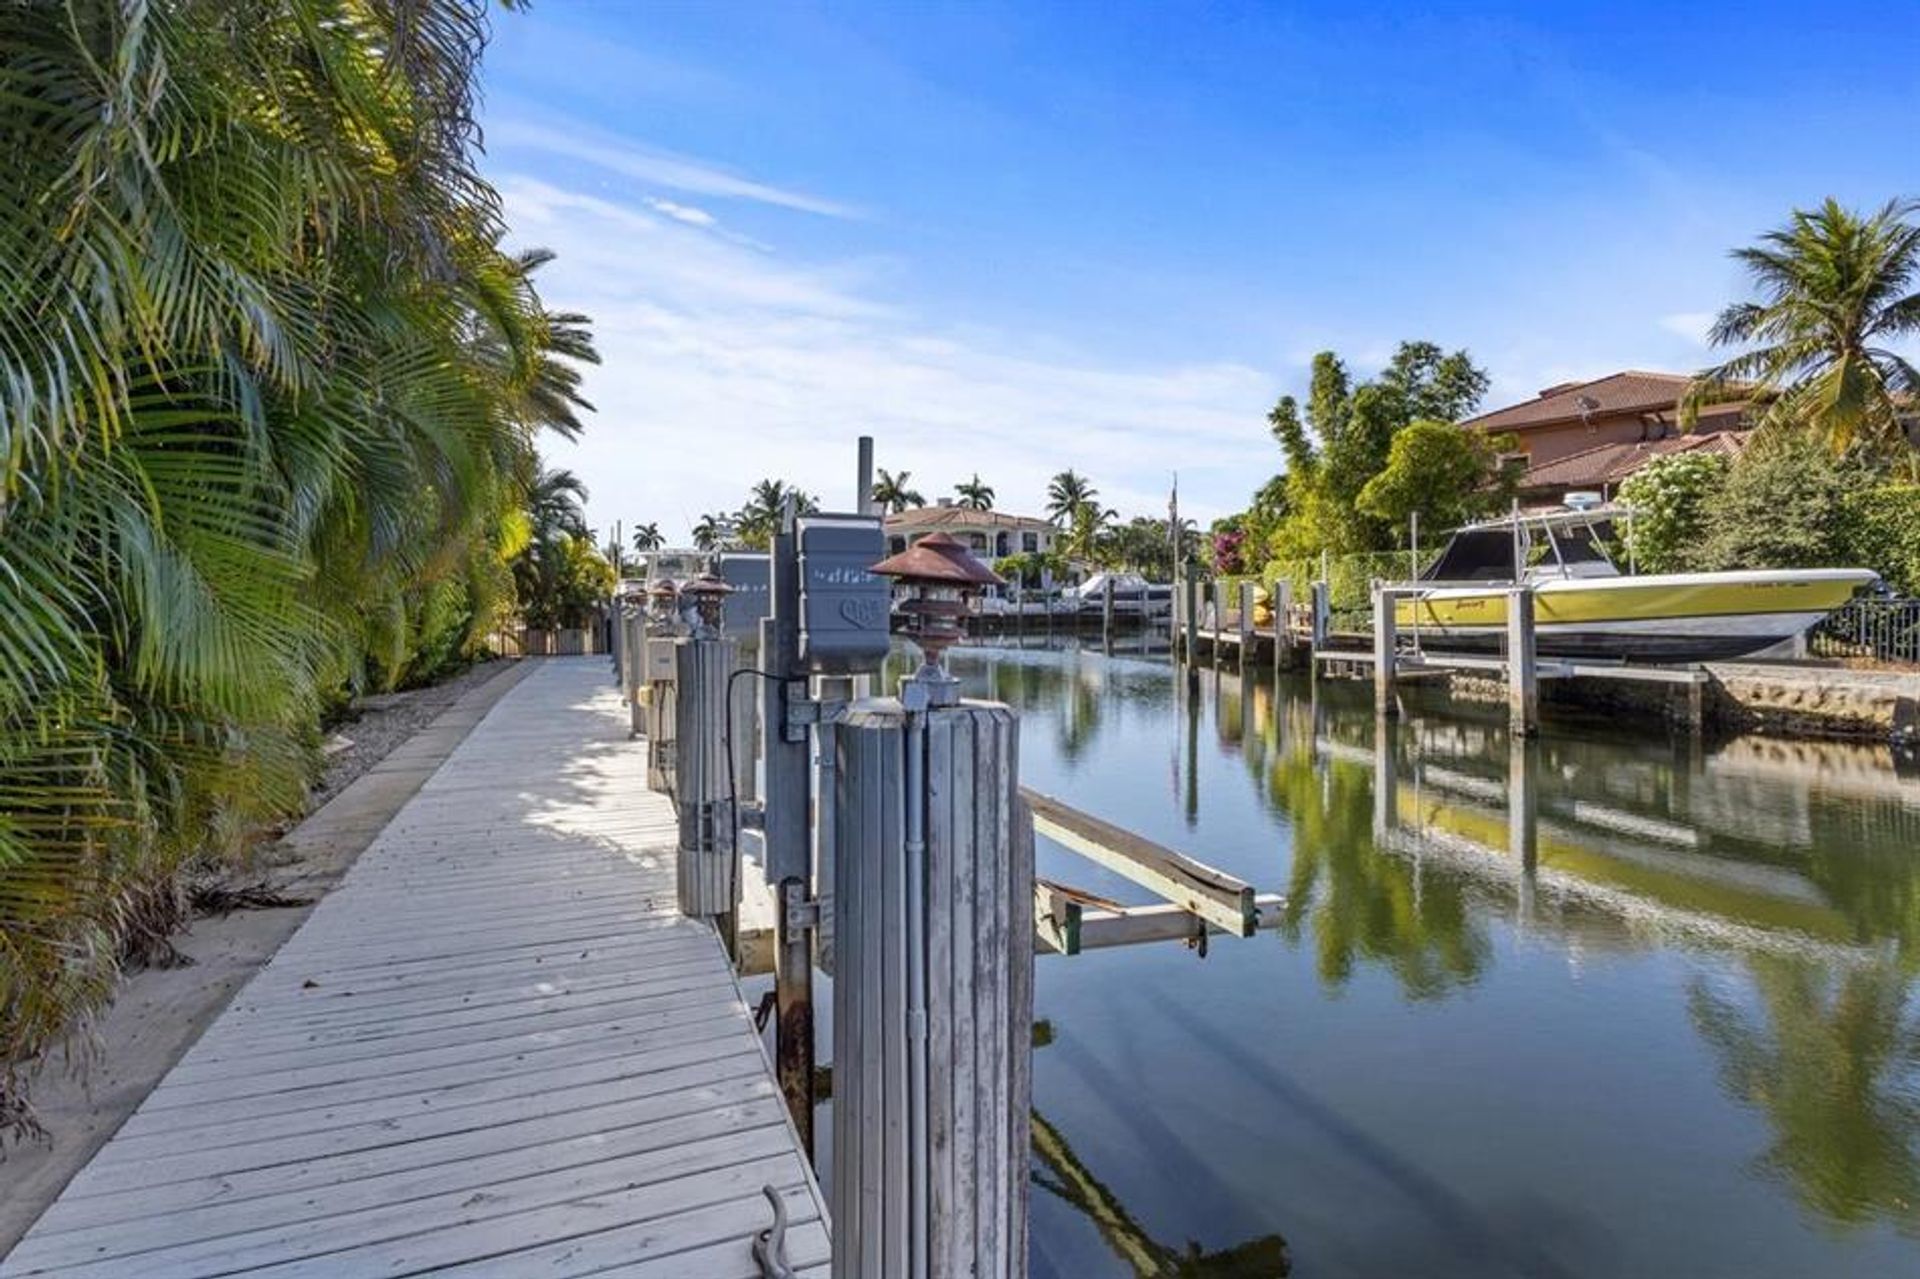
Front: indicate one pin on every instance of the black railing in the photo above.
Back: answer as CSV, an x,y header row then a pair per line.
x,y
1885,630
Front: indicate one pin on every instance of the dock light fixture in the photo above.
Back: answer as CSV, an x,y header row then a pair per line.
x,y
943,574
707,594
663,608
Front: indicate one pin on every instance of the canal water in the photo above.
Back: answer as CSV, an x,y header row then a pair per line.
x,y
1607,1003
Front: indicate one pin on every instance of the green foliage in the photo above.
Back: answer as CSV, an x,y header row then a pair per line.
x,y
1885,533
1784,505
893,494
1837,298
1672,497
1026,567
974,494
1446,474
1346,439
757,521
1067,494
270,396
1142,545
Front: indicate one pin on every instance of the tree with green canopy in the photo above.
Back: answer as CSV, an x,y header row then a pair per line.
x,y
1448,475
647,537
1837,301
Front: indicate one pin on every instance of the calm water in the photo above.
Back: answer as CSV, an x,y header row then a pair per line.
x,y
1658,1018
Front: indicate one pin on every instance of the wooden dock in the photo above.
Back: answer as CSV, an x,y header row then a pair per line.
x,y
495,1049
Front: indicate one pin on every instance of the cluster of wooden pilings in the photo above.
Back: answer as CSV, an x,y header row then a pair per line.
x,y
1208,630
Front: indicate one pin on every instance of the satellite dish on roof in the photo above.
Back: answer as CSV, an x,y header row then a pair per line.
x,y
1586,404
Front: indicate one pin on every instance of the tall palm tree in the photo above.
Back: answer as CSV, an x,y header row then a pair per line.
x,y
891,491
1837,295
975,495
647,537
1067,493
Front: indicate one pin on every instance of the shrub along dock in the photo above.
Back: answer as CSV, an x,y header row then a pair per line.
x,y
496,1048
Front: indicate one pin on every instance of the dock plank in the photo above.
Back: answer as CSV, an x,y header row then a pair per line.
x,y
493,1048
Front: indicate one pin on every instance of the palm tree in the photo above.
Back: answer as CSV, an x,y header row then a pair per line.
x,y
1836,296
270,410
647,537
555,505
892,493
1088,530
766,504
975,495
1067,493
710,532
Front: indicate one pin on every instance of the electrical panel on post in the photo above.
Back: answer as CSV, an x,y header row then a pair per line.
x,y
843,606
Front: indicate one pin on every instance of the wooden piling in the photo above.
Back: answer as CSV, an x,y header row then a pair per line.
x,y
1385,652
931,1166
1106,616
1246,624
1283,657
707,881
1190,621
1523,682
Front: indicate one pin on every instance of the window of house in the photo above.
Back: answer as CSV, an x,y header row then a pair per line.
x,y
1029,542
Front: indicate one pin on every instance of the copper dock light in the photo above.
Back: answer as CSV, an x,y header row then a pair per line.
x,y
944,573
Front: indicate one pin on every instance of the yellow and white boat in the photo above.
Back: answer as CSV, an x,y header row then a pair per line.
x,y
1585,608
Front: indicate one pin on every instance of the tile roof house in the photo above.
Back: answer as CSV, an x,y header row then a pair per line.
x,y
989,534
1589,436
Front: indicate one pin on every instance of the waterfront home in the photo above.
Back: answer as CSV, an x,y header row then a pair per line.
x,y
988,534
1590,436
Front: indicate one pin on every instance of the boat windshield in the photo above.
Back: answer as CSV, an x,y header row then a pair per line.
x,y
1474,555
1549,547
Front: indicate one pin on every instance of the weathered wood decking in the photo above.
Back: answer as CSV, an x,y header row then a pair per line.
x,y
495,1049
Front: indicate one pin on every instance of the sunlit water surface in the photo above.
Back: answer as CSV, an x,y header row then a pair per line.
x,y
1656,1018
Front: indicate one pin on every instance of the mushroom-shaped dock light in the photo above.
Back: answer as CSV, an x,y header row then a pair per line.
x,y
663,606
943,573
708,595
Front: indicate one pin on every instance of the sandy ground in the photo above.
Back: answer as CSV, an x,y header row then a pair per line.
x,y
395,745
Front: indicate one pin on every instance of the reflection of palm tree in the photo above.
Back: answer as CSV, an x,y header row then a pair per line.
x,y
1835,1068
1065,1176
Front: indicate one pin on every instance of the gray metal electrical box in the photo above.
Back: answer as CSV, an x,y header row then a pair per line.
x,y
843,607
750,574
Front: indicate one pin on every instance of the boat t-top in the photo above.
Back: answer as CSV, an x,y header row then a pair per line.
x,y
1586,608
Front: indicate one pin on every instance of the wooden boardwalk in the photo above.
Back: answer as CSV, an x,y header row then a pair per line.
x,y
495,1049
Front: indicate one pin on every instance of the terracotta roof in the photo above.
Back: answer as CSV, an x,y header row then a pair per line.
x,y
1633,391
1609,464
925,519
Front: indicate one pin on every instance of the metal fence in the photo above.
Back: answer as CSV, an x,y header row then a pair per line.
x,y
1884,630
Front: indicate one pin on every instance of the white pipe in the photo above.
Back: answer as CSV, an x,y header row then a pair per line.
x,y
916,868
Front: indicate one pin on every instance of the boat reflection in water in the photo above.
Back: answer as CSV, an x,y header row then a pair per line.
x,y
1601,1003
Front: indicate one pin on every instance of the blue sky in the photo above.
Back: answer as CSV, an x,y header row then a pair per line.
x,y
1016,238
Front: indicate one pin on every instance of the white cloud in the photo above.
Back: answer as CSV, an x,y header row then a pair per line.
x,y
723,365
1691,325
661,168
686,213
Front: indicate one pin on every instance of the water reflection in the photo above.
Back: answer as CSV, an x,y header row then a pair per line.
x,y
1777,883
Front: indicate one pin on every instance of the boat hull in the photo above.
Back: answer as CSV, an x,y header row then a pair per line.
x,y
1679,617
